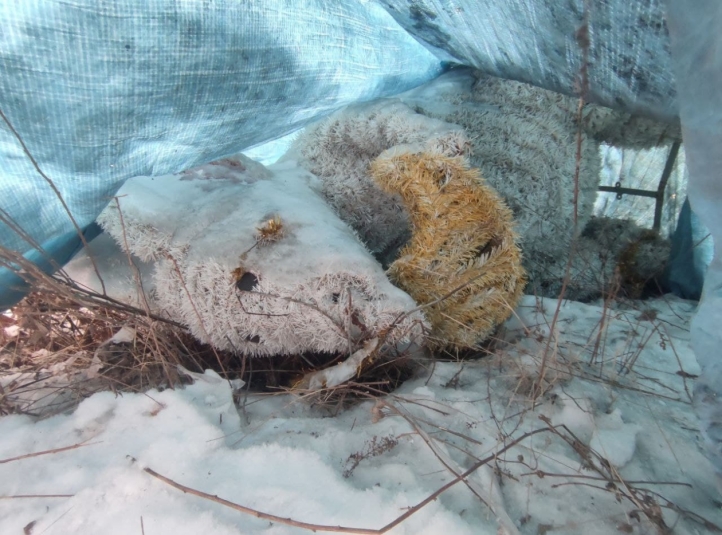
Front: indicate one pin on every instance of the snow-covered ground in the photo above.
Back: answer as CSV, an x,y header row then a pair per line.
x,y
625,444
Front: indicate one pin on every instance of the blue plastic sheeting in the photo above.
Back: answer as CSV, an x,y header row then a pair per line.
x,y
691,255
104,91
540,42
697,55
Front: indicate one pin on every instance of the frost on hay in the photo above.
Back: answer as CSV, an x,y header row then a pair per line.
x,y
340,149
462,260
254,261
621,129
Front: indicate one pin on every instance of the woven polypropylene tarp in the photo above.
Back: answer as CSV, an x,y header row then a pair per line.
x,y
104,91
623,46
697,52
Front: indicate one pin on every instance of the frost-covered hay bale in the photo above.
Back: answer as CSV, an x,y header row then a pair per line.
x,y
524,142
339,150
462,236
621,129
642,263
253,260
527,148
612,257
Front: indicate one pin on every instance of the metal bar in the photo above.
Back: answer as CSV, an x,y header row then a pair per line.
x,y
668,167
629,191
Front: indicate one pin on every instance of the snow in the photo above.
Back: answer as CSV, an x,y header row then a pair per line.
x,y
614,439
364,466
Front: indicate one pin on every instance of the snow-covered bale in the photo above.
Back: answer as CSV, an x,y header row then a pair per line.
x,y
253,260
622,129
462,260
525,146
339,150
612,256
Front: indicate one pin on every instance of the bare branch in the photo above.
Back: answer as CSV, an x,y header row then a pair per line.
x,y
340,529
47,452
259,514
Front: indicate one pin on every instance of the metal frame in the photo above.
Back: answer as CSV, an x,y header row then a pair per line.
x,y
657,195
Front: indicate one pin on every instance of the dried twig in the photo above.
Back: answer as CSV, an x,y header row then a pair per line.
x,y
131,264
42,282
484,496
582,37
641,498
48,452
339,327
259,514
340,529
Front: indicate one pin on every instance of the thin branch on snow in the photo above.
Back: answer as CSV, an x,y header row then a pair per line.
x,y
341,529
48,452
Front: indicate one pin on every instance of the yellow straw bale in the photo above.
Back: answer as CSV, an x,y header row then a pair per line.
x,y
462,236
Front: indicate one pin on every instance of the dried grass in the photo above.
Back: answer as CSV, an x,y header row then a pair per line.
x,y
56,349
